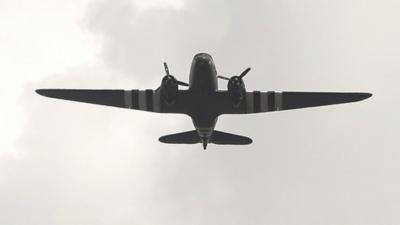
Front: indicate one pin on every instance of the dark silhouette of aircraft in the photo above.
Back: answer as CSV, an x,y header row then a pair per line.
x,y
203,102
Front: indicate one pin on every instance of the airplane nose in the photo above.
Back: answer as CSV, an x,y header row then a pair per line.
x,y
203,57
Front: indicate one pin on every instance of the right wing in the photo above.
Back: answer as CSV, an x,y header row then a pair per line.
x,y
257,101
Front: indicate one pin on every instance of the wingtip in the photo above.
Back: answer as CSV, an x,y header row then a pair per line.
x,y
359,96
46,92
40,91
365,96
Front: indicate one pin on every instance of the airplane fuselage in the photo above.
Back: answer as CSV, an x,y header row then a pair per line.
x,y
203,82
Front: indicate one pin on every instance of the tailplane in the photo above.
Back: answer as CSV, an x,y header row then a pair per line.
x,y
218,137
189,137
222,138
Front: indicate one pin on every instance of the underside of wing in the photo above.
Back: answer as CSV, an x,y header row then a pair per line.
x,y
275,101
147,100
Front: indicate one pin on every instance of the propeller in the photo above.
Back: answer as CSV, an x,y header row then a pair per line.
x,y
223,78
173,78
236,87
166,69
244,73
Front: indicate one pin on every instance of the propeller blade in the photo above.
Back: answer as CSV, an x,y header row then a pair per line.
x,y
182,83
245,72
166,68
173,78
223,78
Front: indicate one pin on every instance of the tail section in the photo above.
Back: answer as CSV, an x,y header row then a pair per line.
x,y
218,137
221,138
190,137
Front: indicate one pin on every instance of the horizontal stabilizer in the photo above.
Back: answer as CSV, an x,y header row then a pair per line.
x,y
189,137
221,138
218,137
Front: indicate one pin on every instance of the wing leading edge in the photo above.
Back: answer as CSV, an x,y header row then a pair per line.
x,y
257,101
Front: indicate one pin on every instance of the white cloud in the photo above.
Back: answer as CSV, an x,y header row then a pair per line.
x,y
36,41
144,5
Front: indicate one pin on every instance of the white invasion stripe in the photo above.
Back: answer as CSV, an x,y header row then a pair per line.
x,y
278,101
128,99
263,102
142,100
156,101
249,102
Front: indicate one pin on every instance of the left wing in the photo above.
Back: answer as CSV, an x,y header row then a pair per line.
x,y
145,100
257,102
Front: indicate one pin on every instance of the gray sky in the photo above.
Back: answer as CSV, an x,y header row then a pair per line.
x,y
69,163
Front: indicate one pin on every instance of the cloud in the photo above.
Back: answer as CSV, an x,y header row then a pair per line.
x,y
137,42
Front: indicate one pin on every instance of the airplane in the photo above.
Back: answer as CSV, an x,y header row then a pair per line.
x,y
203,101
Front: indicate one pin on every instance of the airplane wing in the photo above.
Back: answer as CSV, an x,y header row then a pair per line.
x,y
146,100
192,103
257,101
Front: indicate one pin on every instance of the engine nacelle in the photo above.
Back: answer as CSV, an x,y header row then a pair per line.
x,y
169,89
236,90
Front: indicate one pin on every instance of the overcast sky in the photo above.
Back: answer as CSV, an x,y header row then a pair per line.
x,y
68,163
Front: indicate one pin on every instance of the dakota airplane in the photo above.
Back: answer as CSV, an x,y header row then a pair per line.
x,y
203,102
